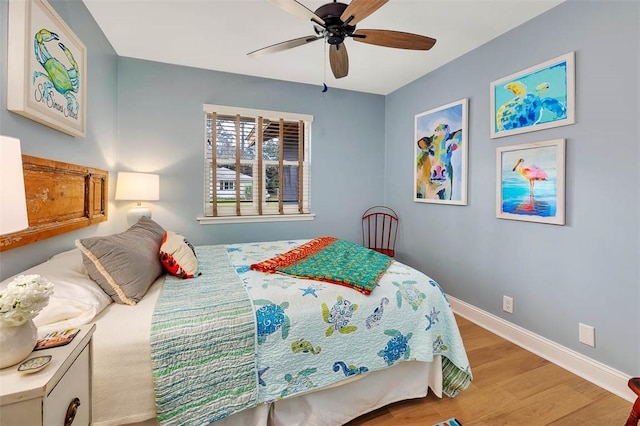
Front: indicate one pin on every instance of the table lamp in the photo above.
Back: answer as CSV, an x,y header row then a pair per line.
x,y
137,187
13,203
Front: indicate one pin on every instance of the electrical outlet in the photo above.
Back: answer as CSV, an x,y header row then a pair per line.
x,y
507,304
587,335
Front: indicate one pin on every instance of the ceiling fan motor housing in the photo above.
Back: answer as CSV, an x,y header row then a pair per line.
x,y
335,29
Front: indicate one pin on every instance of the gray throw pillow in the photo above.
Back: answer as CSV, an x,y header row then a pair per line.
x,y
125,264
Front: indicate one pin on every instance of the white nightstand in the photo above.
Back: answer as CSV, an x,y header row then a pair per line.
x,y
59,394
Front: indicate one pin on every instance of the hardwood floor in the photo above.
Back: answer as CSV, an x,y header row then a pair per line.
x,y
511,387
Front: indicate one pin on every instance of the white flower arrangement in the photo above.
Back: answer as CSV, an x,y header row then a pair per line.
x,y
23,299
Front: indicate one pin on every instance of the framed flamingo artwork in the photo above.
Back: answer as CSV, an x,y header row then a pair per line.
x,y
540,97
47,68
530,182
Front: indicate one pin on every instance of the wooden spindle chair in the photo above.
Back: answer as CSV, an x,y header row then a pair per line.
x,y
634,416
380,229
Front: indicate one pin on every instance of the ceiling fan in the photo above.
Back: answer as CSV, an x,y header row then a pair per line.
x,y
334,22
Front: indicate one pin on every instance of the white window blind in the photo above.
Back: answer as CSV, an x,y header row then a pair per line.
x,y
256,162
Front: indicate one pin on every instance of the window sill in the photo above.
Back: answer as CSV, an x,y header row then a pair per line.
x,y
220,220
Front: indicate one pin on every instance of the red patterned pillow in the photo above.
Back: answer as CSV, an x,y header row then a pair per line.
x,y
178,256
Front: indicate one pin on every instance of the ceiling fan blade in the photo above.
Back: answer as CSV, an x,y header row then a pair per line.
x,y
284,45
360,9
339,60
395,39
298,9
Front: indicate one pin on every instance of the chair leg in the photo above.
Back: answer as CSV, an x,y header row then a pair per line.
x,y
634,385
635,414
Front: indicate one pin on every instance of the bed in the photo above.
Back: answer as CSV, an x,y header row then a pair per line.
x,y
191,335
315,352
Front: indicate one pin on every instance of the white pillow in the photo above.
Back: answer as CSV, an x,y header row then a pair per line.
x,y
178,256
76,298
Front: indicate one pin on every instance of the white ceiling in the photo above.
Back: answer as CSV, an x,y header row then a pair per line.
x,y
218,34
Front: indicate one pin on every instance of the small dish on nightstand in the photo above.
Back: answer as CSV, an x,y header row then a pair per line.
x,y
34,364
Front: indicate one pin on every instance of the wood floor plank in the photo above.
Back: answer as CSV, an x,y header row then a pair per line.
x,y
507,367
541,408
608,410
490,353
536,381
476,403
511,387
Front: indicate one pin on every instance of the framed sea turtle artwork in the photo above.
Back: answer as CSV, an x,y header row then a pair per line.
x,y
530,182
540,97
47,68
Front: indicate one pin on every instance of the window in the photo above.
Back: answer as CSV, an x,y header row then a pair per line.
x,y
256,165
226,185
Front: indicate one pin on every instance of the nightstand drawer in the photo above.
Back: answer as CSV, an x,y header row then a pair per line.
x,y
71,396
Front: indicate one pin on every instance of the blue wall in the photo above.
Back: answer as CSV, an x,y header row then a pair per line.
x,y
97,149
585,271
161,127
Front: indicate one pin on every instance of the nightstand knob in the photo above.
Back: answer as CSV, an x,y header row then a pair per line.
x,y
71,411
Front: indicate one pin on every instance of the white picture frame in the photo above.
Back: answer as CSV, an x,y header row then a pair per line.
x,y
47,68
530,182
440,154
537,98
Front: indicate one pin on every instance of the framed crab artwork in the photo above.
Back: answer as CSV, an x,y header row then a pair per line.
x,y
540,97
47,68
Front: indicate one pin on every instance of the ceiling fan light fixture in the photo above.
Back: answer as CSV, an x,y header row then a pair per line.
x,y
336,21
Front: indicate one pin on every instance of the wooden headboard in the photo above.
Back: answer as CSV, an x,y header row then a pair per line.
x,y
61,197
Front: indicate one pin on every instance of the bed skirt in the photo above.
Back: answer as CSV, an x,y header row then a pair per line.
x,y
333,406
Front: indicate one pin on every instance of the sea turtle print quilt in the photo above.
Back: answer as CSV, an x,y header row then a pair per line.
x,y
312,334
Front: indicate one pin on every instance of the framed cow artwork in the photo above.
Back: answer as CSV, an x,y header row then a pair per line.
x,y
440,154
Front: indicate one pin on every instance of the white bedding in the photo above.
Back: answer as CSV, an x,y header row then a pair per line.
x,y
76,298
122,380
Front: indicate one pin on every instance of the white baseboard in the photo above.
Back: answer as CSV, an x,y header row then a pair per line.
x,y
595,372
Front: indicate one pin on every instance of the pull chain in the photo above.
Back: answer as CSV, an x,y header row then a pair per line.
x,y
324,69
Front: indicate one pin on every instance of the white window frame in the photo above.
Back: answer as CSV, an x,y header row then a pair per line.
x,y
249,213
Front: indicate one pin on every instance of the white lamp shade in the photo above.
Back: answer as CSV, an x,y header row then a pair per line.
x,y
13,203
137,186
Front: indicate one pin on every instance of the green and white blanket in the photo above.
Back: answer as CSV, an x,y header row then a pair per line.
x,y
308,334
203,344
